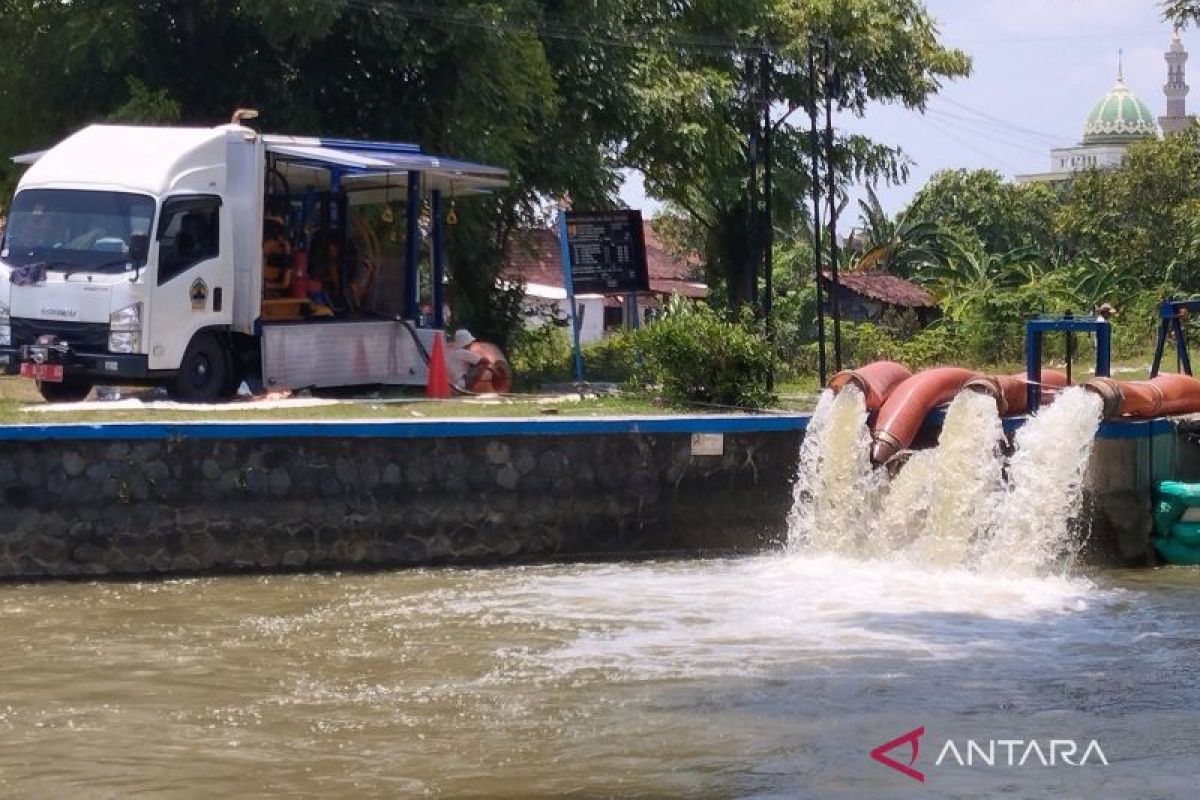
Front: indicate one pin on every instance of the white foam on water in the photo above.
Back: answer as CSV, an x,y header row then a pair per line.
x,y
746,616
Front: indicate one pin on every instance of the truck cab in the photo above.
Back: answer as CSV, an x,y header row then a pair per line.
x,y
137,255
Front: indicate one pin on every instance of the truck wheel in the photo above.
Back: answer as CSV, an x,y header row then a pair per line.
x,y
65,392
204,372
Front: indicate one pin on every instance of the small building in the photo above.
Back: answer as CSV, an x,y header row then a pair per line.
x,y
867,296
535,259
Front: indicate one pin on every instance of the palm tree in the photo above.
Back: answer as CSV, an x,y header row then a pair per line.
x,y
903,246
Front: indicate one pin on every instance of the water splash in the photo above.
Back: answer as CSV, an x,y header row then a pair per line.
x,y
967,472
1037,514
948,507
835,482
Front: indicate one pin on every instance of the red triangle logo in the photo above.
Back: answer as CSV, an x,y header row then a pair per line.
x,y
913,738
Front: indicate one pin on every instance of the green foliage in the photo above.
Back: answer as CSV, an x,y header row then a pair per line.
x,y
986,213
611,359
540,355
694,106
904,246
695,356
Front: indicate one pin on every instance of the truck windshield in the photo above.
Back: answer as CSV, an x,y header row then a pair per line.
x,y
72,230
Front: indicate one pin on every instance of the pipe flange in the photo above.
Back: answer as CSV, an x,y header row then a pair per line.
x,y
989,385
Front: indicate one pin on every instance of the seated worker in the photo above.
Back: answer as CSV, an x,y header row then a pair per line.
x,y
325,269
278,264
464,366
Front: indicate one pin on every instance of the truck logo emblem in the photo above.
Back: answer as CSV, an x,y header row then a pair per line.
x,y
199,294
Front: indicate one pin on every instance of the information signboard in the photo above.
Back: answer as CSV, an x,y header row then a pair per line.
x,y
608,252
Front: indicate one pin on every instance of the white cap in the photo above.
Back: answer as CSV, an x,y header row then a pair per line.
x,y
463,337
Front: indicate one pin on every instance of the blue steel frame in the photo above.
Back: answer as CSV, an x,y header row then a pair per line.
x,y
1034,329
564,249
1171,314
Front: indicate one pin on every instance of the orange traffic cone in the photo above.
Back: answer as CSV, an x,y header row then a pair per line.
x,y
437,386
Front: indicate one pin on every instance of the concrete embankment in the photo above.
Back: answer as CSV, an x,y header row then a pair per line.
x,y
144,499
131,499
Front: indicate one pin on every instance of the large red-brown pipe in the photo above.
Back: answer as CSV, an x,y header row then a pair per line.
x,y
1161,396
905,409
1009,390
875,380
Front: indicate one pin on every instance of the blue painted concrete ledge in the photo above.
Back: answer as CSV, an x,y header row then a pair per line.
x,y
462,427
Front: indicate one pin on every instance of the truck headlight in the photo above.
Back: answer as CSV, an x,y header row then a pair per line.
x,y
125,329
5,327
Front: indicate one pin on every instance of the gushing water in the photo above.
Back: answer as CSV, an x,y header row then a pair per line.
x,y
1040,503
951,506
835,475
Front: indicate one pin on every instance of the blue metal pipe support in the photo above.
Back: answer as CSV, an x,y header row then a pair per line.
x,y
412,241
439,262
1035,328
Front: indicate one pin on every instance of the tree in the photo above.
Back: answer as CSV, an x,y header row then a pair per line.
x,y
987,212
905,246
1144,217
697,99
479,80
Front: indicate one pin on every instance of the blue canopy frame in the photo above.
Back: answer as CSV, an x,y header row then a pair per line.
x,y
365,163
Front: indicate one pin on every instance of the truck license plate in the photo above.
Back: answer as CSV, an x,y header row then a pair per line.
x,y
52,373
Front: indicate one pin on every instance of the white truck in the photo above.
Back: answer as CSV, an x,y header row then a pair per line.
x,y
135,255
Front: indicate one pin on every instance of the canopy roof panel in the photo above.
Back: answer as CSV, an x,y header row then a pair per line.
x,y
379,165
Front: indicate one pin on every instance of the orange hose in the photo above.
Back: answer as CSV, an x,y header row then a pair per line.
x,y
497,377
906,407
875,380
1181,393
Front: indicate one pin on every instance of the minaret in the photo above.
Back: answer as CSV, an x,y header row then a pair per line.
x,y
1176,88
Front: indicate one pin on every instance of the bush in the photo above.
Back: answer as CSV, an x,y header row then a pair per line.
x,y
609,359
540,355
695,356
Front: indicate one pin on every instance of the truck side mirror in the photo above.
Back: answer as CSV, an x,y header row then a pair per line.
x,y
139,248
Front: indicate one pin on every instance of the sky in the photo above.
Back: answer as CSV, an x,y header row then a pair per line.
x,y
1039,66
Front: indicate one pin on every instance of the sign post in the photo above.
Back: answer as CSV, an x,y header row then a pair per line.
x,y
564,248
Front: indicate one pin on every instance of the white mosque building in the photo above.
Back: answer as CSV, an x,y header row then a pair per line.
x,y
1119,119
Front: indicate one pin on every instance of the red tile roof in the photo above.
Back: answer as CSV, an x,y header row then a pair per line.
x,y
886,288
534,257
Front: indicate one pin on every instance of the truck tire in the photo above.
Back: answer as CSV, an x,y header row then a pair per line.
x,y
65,392
203,373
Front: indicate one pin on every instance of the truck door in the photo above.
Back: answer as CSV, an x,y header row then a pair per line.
x,y
192,286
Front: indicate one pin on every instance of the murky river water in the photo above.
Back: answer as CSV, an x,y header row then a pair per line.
x,y
770,676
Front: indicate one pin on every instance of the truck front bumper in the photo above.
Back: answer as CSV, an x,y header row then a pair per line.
x,y
94,367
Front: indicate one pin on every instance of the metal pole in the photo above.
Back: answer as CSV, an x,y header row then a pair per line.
x,y
814,156
412,254
831,181
564,249
752,255
768,301
439,262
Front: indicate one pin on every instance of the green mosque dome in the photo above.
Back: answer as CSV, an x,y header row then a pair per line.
x,y
1119,118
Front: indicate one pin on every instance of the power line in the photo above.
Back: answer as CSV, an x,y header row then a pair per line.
x,y
989,156
1003,138
992,118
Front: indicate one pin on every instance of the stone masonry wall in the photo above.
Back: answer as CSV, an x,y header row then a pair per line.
x,y
73,507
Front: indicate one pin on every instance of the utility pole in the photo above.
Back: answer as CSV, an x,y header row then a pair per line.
x,y
753,256
768,239
830,85
814,146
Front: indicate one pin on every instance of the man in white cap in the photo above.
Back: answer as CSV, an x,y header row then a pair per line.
x,y
1104,311
462,364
